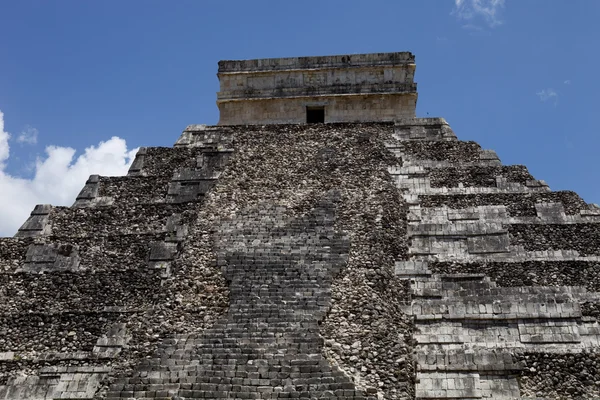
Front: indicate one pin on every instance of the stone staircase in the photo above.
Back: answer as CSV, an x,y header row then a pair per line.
x,y
268,344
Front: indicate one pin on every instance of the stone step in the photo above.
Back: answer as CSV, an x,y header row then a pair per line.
x,y
163,161
516,275
123,189
462,228
80,253
112,220
491,362
457,385
37,223
517,204
488,289
421,186
470,175
206,137
474,310
423,129
462,278
438,288
448,385
453,151
460,245
583,238
556,294
515,334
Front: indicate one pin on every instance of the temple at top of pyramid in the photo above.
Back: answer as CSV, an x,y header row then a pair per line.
x,y
344,88
371,260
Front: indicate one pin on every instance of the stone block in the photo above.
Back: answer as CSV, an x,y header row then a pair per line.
x,y
136,168
488,244
37,223
551,213
51,257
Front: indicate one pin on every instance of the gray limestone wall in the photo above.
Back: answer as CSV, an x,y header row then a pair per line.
x,y
503,272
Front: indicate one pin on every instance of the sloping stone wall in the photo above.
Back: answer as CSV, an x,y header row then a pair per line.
x,y
491,254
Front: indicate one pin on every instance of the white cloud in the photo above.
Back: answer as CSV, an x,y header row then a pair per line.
x,y
548,95
567,82
58,177
4,148
472,10
29,135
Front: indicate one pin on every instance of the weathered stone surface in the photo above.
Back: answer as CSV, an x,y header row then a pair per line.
x,y
354,260
517,204
452,151
583,238
304,163
37,223
487,270
357,87
478,175
87,294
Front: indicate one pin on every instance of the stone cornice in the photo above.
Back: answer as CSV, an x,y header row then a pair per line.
x,y
303,63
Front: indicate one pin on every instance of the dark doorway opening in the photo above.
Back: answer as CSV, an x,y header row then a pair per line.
x,y
315,115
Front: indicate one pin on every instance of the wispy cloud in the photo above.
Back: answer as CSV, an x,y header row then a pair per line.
x,y
29,135
548,95
567,82
472,11
4,147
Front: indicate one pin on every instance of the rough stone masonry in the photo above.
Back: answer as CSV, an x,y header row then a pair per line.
x,y
320,242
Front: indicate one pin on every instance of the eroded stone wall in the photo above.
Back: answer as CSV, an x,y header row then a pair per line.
x,y
366,333
503,274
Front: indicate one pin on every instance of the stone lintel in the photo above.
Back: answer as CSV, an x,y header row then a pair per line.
x,y
318,62
314,97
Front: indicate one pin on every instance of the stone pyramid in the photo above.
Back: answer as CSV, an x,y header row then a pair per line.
x,y
321,242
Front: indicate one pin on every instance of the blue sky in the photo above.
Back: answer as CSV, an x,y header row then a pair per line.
x,y
519,77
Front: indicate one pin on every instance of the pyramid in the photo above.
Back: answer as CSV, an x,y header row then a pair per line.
x,y
320,242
